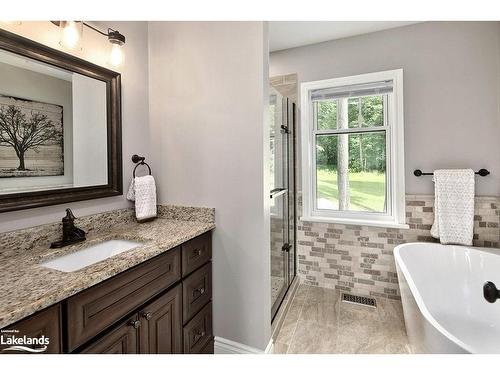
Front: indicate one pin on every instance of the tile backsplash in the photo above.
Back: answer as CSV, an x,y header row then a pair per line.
x,y
360,259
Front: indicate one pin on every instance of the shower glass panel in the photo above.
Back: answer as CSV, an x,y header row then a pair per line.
x,y
282,198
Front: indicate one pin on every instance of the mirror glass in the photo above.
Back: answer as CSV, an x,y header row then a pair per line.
x,y
53,127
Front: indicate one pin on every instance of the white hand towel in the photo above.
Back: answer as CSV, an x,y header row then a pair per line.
x,y
143,191
454,206
131,192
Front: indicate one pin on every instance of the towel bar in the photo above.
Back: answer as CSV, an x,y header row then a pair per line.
x,y
482,172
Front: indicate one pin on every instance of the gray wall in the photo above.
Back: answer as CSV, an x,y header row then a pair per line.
x,y
451,90
208,87
135,113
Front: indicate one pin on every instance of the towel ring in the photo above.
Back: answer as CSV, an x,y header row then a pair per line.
x,y
142,163
139,160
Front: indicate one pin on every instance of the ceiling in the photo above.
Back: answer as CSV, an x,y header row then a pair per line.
x,y
290,34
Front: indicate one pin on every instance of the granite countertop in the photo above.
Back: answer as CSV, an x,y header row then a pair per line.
x,y
27,287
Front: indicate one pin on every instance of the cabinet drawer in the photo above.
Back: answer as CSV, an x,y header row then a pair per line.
x,y
121,340
198,332
196,291
196,253
45,323
96,308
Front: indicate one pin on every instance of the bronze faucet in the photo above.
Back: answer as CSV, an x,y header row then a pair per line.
x,y
71,234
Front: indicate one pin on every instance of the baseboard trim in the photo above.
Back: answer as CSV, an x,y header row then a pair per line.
x,y
225,346
270,347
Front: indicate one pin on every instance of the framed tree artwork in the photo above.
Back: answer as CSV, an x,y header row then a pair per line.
x,y
31,138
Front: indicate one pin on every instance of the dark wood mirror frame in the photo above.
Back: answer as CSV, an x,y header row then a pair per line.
x,y
25,47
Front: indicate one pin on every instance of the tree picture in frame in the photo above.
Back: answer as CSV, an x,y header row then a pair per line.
x,y
31,138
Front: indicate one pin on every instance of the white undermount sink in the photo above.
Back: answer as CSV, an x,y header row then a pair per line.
x,y
90,255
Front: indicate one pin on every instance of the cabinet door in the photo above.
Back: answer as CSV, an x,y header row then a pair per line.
x,y
161,324
45,323
121,340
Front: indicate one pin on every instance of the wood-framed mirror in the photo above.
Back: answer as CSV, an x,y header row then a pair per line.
x,y
60,127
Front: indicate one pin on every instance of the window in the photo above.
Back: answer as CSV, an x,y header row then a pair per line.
x,y
352,150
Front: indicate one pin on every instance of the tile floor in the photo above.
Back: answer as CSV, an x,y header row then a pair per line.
x,y
318,322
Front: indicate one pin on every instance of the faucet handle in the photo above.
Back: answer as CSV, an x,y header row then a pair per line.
x,y
69,214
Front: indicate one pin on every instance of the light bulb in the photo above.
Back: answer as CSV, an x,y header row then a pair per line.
x,y
71,35
116,57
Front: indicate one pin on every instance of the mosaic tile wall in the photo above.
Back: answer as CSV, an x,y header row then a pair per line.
x,y
359,259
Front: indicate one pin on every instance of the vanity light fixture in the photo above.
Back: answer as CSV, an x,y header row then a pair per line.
x,y
71,34
117,40
70,38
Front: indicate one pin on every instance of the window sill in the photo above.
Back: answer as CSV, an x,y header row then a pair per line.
x,y
370,223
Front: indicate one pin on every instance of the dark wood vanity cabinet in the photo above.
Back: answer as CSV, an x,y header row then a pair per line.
x,y
45,323
160,306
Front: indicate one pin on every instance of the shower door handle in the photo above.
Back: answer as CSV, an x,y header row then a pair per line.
x,y
286,247
277,192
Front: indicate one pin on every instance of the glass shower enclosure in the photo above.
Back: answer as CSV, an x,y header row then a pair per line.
x,y
282,195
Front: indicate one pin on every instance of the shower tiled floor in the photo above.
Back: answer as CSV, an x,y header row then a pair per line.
x,y
276,286
318,322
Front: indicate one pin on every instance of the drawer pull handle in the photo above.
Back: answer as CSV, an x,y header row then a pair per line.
x,y
135,323
198,292
147,315
196,253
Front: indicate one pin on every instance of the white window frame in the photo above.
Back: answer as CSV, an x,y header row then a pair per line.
x,y
395,173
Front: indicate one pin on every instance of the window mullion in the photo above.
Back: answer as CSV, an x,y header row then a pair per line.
x,y
349,131
360,116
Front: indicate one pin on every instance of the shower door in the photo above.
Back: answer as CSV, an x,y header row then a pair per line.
x,y
282,195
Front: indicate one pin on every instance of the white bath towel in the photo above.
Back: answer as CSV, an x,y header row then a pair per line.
x,y
454,206
142,190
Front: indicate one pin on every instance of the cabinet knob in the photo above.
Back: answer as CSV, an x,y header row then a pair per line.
x,y
198,292
135,323
147,315
198,334
197,252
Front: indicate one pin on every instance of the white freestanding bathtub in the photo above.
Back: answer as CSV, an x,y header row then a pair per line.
x,y
442,295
